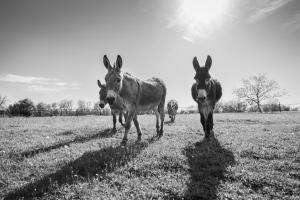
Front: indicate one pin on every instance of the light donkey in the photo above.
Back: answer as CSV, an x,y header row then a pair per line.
x,y
138,95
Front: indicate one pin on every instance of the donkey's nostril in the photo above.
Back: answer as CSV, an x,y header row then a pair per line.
x,y
201,99
110,100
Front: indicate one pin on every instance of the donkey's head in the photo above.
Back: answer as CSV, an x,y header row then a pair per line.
x,y
102,94
202,78
113,79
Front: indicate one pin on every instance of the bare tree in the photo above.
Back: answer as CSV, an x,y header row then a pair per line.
x,y
96,106
3,100
81,105
69,104
63,106
257,89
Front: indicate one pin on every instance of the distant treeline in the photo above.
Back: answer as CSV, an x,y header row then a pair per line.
x,y
239,106
27,108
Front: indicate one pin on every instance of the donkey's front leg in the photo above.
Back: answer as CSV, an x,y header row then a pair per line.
x,y
209,125
137,126
114,122
203,122
128,120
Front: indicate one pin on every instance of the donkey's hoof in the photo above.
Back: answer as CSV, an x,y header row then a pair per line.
x,y
160,133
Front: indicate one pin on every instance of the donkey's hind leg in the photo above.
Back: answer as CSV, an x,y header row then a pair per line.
x,y
120,119
161,110
157,121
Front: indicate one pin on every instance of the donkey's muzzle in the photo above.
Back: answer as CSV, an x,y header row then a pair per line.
x,y
201,99
110,100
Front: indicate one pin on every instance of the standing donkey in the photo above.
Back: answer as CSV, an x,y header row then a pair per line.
x,y
172,107
138,95
206,92
117,108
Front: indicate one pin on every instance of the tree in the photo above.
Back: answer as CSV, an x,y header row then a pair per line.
x,y
23,107
43,109
3,100
54,108
234,106
65,105
257,89
81,107
62,106
69,104
96,106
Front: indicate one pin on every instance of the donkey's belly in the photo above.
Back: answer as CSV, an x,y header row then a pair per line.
x,y
117,111
147,107
151,93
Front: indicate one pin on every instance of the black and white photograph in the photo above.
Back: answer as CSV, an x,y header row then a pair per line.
x,y
150,99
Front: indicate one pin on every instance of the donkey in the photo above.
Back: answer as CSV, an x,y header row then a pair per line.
x,y
206,92
138,95
172,107
117,108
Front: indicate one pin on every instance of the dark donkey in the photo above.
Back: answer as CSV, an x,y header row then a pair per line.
x,y
138,95
206,92
117,108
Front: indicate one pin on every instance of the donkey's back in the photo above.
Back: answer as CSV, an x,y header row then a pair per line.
x,y
152,92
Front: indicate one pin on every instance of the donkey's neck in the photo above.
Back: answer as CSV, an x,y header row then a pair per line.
x,y
130,88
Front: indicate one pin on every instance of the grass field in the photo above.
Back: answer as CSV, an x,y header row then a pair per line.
x,y
252,156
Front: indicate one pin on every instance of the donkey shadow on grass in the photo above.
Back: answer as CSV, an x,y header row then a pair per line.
x,y
208,161
78,139
169,122
89,165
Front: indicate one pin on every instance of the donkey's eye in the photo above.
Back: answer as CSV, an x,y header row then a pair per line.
x,y
118,80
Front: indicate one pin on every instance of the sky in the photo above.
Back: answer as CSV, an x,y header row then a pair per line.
x,y
53,50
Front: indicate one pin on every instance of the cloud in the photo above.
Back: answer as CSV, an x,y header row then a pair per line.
x,y
293,24
262,8
38,83
187,38
197,19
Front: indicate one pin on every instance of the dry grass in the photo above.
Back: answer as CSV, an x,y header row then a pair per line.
x,y
252,156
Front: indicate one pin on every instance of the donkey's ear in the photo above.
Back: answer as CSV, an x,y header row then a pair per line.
x,y
208,62
106,63
196,64
119,63
99,83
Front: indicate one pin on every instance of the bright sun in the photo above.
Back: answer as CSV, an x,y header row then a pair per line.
x,y
201,17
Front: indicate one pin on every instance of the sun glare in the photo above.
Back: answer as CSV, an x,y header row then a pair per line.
x,y
200,18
